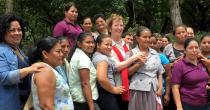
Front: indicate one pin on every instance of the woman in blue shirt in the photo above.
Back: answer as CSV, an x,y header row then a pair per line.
x,y
15,71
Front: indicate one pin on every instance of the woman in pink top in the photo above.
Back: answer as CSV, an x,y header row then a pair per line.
x,y
68,27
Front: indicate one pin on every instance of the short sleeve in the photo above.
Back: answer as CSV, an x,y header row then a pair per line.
x,y
84,62
99,58
58,30
177,73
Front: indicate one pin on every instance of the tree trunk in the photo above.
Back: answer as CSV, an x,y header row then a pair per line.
x,y
175,12
129,6
9,6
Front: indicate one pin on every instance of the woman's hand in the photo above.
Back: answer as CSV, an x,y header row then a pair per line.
x,y
205,61
36,67
159,92
31,69
166,99
141,59
118,90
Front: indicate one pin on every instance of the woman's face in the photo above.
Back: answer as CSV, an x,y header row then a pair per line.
x,y
205,44
14,34
55,56
72,14
165,41
144,39
117,28
192,50
153,43
65,47
129,39
105,47
181,34
87,25
159,42
100,23
87,45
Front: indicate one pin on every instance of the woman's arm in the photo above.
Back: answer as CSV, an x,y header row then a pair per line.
x,y
85,78
45,81
160,85
31,69
9,72
126,63
167,68
102,78
141,60
177,97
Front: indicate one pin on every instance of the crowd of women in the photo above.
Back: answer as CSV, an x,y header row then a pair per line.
x,y
78,69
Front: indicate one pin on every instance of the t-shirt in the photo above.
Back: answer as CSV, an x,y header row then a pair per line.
x,y
192,80
79,61
98,57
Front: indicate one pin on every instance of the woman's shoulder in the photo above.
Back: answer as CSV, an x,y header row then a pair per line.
x,y
97,57
4,47
168,47
45,71
179,64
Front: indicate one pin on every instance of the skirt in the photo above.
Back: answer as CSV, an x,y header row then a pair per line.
x,y
142,100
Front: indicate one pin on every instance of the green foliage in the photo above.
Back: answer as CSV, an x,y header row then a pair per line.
x,y
42,15
2,6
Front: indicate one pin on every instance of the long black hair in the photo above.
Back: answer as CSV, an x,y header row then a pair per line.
x,y
5,21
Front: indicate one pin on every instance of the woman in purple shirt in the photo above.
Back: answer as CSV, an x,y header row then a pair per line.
x,y
68,27
189,79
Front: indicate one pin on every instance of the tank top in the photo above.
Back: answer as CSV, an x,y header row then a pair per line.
x,y
62,98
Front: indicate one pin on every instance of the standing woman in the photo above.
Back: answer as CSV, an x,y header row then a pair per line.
x,y
83,74
115,26
65,48
166,41
14,65
105,74
49,89
87,25
146,82
106,69
175,50
100,23
68,27
189,79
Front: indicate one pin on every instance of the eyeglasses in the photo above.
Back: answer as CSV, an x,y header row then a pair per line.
x,y
14,30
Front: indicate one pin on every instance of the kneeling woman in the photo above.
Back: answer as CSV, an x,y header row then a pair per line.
x,y
49,90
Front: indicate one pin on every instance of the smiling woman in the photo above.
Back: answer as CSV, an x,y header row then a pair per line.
x,y
15,70
189,79
82,76
50,90
68,27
